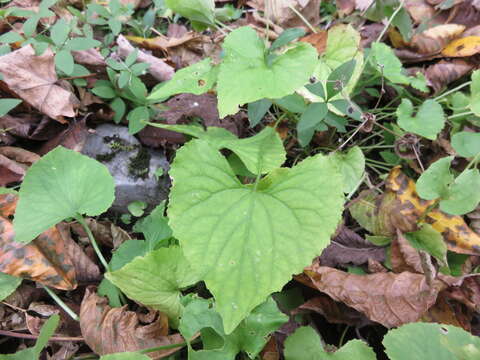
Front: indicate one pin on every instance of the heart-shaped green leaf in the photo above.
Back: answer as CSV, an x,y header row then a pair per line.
x,y
352,166
245,77
246,241
466,144
434,182
428,121
60,186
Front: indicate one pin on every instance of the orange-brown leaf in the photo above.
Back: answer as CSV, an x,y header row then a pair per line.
x,y
433,40
109,330
387,298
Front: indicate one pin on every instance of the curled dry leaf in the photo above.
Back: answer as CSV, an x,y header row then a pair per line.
x,y
158,68
14,162
28,126
109,330
400,207
387,298
33,79
403,256
347,247
105,232
449,312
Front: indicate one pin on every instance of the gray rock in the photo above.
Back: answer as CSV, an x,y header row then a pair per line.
x,y
132,166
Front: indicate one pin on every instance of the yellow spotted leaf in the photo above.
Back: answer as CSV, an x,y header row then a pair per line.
x,y
467,46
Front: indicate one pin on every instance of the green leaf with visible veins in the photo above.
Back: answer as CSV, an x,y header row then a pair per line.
x,y
57,187
260,153
156,279
428,121
352,166
246,241
245,77
304,344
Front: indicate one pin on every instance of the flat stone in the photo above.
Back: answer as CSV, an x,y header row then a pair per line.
x,y
132,166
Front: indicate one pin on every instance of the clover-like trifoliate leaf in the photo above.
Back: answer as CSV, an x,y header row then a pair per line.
x,y
428,121
246,77
260,153
304,344
156,279
431,341
246,241
60,185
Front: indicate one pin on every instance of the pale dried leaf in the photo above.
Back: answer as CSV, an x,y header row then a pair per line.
x,y
33,79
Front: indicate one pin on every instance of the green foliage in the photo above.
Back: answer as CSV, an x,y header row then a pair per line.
x,y
58,187
245,76
244,227
475,93
304,344
154,227
33,353
466,144
195,79
428,121
156,279
431,341
430,240
8,284
352,167
8,104
458,195
250,336
200,12
113,15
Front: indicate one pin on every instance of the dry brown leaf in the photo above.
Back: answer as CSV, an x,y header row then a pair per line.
x,y
419,10
105,232
182,107
14,163
466,46
334,312
403,256
347,247
345,7
446,72
158,68
433,40
387,298
446,311
317,40
109,330
33,79
282,15
28,126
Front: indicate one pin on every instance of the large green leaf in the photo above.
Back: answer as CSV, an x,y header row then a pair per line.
x,y
304,344
466,144
260,153
156,279
428,121
246,77
250,336
62,184
463,194
431,341
246,241
195,79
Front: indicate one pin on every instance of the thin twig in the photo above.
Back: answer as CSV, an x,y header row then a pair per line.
x,y
34,337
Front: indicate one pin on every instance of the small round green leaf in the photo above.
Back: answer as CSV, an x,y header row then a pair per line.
x,y
62,184
434,182
64,61
428,122
352,166
463,194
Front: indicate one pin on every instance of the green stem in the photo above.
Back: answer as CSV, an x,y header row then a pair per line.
x,y
472,162
446,93
303,19
165,347
389,22
82,222
61,303
460,115
342,338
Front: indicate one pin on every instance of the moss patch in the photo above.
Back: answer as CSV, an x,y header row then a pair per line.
x,y
139,166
